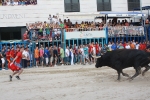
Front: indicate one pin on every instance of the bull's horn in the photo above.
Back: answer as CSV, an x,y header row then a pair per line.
x,y
96,56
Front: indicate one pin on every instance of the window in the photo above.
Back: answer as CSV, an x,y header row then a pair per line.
x,y
103,5
133,4
72,6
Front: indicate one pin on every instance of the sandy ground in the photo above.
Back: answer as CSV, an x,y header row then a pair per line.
x,y
74,83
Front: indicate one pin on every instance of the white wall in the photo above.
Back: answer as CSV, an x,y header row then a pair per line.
x,y
20,15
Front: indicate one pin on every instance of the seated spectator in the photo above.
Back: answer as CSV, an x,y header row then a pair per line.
x,y
26,36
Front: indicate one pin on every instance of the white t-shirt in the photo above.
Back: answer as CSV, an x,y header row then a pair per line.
x,y
137,46
81,49
3,60
55,31
127,47
109,46
67,53
54,20
25,53
94,50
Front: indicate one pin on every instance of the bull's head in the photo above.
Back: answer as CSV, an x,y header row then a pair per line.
x,y
99,61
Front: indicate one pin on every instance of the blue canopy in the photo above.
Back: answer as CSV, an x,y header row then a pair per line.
x,y
110,12
123,14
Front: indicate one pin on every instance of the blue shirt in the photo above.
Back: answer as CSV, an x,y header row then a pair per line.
x,y
46,53
85,50
114,47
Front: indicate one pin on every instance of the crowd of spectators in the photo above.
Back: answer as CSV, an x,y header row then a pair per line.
x,y
52,29
73,55
18,2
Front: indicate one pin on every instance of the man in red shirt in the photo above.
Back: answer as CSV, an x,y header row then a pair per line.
x,y
8,55
12,54
97,49
90,51
140,46
16,62
26,36
144,46
124,44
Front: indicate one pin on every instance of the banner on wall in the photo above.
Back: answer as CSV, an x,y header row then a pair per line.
x,y
126,30
85,34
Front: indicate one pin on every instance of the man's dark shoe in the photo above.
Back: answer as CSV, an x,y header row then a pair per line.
x,y
10,77
18,77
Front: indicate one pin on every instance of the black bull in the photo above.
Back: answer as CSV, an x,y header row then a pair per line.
x,y
121,59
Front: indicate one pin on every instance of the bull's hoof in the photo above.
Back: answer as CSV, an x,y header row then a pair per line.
x,y
130,79
118,80
143,74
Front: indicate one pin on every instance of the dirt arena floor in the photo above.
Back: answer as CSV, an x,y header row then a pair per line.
x,y
74,83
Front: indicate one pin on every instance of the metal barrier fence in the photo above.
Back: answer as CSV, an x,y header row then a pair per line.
x,y
115,34
31,47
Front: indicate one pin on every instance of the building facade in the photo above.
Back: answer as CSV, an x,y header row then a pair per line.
x,y
18,16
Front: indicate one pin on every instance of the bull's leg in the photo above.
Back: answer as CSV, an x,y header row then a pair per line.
x,y
124,74
118,75
146,69
138,71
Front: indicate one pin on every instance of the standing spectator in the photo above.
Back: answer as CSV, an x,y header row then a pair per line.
x,y
55,53
140,46
51,56
58,54
81,54
114,46
24,58
11,2
75,54
86,55
137,45
36,56
50,19
2,61
8,55
3,52
41,56
26,36
105,49
61,24
28,57
132,45
67,55
124,44
62,55
127,46
144,45
46,55
97,49
109,46
72,56
90,51
120,46
94,52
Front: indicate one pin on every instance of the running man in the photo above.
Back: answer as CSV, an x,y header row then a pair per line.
x,y
16,61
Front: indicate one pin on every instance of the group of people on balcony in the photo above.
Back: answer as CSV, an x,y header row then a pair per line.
x,y
52,30
18,2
